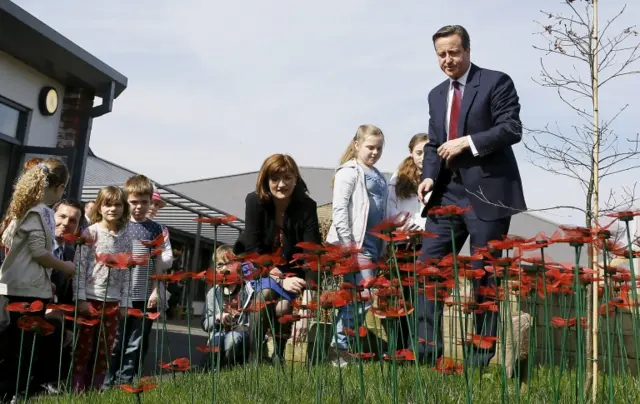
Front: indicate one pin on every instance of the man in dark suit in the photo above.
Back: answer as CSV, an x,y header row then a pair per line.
x,y
68,215
474,120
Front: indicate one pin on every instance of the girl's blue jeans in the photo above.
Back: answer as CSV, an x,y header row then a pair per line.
x,y
346,314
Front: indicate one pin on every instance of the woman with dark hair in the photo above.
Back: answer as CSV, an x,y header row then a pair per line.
x,y
279,215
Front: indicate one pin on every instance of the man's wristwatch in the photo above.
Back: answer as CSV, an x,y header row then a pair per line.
x,y
279,281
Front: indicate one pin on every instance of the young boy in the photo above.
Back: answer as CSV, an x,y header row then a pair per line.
x,y
224,320
135,338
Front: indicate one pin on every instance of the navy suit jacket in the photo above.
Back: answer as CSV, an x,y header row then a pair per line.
x,y
490,115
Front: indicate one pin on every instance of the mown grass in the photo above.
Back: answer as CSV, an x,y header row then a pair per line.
x,y
266,384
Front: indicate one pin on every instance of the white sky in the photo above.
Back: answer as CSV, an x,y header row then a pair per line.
x,y
216,86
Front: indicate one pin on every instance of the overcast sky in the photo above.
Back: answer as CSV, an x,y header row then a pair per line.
x,y
215,87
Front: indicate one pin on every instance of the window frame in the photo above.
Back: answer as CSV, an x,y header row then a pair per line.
x,y
24,119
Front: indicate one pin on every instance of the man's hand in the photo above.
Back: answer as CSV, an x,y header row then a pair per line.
x,y
124,311
452,148
424,188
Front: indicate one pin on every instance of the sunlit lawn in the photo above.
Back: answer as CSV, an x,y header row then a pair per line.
x,y
267,385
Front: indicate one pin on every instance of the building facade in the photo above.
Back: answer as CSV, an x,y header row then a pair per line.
x,y
48,86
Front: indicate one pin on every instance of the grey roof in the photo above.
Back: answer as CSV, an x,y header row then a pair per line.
x,y
180,212
33,42
228,193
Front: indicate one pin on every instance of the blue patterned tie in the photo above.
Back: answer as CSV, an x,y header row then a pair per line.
x,y
59,252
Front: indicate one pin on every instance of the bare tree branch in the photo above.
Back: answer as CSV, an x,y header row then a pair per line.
x,y
572,153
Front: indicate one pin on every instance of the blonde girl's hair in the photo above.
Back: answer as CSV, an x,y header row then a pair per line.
x,y
30,188
109,196
408,177
363,132
224,254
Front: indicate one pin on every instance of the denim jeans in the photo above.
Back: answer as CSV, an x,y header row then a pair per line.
x,y
231,345
132,337
345,316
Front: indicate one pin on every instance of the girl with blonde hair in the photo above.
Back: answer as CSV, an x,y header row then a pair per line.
x,y
98,286
359,203
28,234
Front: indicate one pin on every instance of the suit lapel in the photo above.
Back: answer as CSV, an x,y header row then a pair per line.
x,y
444,90
470,91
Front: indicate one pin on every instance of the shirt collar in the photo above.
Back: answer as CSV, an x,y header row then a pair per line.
x,y
462,80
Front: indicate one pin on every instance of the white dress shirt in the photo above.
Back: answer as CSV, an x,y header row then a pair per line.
x,y
463,83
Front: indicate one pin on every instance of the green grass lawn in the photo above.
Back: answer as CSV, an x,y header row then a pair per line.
x,y
265,384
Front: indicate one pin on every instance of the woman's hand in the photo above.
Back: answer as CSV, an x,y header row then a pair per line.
x,y
293,284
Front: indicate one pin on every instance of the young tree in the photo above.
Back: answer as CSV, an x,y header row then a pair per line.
x,y
590,151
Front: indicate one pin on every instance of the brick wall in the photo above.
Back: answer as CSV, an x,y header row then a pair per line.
x,y
76,104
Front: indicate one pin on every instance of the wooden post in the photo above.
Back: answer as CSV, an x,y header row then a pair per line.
x,y
595,40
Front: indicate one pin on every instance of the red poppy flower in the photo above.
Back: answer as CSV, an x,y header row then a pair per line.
x,y
569,322
156,251
362,355
177,365
218,220
77,239
139,314
471,273
362,332
335,299
392,223
267,261
448,366
24,307
482,341
35,324
390,236
625,216
67,308
400,308
401,355
83,321
146,383
288,318
449,210
156,242
313,248
121,260
213,277
208,348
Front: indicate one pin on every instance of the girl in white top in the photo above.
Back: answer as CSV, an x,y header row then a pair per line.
x,y
27,233
403,185
359,203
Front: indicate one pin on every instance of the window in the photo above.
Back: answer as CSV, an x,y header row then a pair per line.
x,y
9,119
